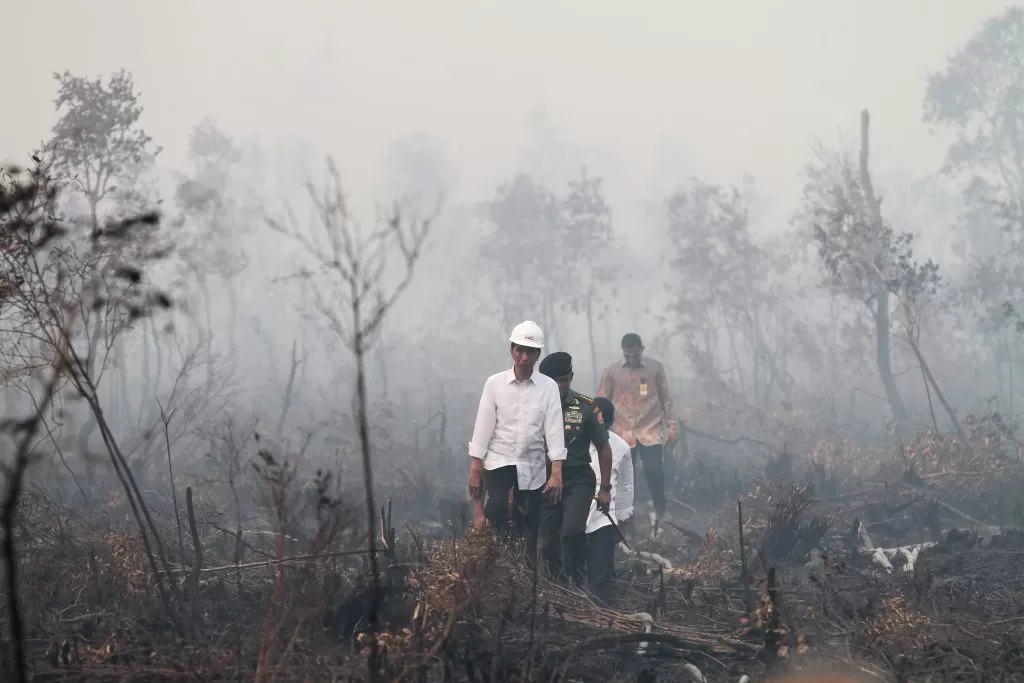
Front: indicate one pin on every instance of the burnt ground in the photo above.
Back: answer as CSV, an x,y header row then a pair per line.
x,y
292,601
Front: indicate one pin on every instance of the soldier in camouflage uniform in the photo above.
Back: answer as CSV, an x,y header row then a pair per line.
x,y
563,532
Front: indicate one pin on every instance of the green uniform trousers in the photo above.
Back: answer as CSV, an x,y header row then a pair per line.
x,y
562,537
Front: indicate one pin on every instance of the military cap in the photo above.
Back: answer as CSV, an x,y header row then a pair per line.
x,y
557,364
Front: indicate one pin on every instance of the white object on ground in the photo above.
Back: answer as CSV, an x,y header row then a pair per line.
x,y
648,622
883,556
657,559
695,673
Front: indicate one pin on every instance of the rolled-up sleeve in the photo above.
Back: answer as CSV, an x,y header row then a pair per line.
x,y
486,418
554,427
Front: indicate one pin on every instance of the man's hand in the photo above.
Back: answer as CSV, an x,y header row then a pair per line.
x,y
479,519
476,487
604,501
673,432
553,488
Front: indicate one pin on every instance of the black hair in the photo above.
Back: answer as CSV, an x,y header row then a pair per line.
x,y
631,341
512,347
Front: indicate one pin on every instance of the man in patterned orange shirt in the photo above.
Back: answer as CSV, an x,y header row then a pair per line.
x,y
644,415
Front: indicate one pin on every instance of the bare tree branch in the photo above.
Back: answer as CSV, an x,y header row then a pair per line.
x,y
354,301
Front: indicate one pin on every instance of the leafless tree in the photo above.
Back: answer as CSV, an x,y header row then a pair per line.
x,y
59,283
351,290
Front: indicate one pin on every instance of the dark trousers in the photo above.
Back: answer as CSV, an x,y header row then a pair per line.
x,y
601,563
653,459
563,526
523,519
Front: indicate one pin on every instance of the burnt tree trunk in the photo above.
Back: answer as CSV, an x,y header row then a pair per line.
x,y
881,309
883,354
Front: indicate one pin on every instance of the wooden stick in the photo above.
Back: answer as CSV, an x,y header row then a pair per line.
x,y
270,563
743,558
197,562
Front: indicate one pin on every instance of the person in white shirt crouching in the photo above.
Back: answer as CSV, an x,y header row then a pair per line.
x,y
601,536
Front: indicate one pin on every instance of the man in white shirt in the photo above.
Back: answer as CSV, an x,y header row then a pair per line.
x,y
518,429
601,536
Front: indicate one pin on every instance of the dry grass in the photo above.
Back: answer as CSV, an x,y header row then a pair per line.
x,y
466,608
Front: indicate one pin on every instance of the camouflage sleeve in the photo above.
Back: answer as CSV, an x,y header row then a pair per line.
x,y
596,428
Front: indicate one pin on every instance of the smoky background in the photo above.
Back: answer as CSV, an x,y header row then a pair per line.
x,y
257,265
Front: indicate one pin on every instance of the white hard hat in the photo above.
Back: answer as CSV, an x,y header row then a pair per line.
x,y
528,333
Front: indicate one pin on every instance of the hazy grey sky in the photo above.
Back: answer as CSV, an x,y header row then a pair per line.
x,y
739,86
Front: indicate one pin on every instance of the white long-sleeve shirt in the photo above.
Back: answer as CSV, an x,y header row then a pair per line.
x,y
621,507
514,421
